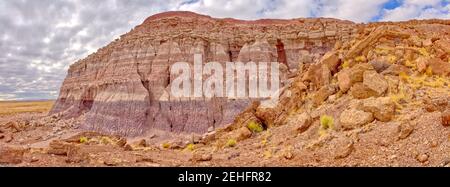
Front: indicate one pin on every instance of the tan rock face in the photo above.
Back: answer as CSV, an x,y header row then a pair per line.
x,y
382,108
353,118
300,122
375,82
344,80
123,87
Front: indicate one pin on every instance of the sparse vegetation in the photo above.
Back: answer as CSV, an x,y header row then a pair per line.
x,y
423,52
105,140
255,127
326,124
190,147
231,143
84,140
403,76
429,71
166,145
392,59
360,59
346,64
267,154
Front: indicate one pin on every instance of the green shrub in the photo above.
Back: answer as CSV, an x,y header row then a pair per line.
x,y
166,145
83,140
255,127
231,143
326,122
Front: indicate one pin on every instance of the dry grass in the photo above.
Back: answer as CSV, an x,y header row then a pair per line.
x,y
17,107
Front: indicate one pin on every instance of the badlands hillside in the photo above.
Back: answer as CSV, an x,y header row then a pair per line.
x,y
352,95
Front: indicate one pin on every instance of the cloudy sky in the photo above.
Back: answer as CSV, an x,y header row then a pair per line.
x,y
40,39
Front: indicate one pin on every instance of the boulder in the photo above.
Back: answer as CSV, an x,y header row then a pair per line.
x,y
357,72
241,134
379,65
323,93
445,118
375,82
436,103
405,130
353,118
300,122
341,147
11,155
382,108
421,64
331,59
396,69
344,80
76,155
360,91
318,74
58,147
8,137
439,67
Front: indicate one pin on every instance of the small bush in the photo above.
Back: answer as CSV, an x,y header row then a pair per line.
x,y
346,64
255,127
166,145
403,76
423,52
231,143
267,154
360,59
190,147
392,59
84,140
105,140
326,122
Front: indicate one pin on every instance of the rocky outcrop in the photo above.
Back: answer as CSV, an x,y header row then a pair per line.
x,y
123,87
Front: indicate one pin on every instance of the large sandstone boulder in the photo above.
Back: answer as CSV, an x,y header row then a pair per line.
x,y
353,118
323,93
344,80
383,108
11,155
375,82
357,72
300,122
439,67
445,118
361,91
241,134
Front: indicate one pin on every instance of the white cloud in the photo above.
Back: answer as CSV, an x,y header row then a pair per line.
x,y
417,9
356,10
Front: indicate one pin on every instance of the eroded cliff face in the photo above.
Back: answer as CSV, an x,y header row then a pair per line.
x,y
123,87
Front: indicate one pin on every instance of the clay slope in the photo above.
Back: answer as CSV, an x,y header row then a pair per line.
x,y
123,87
